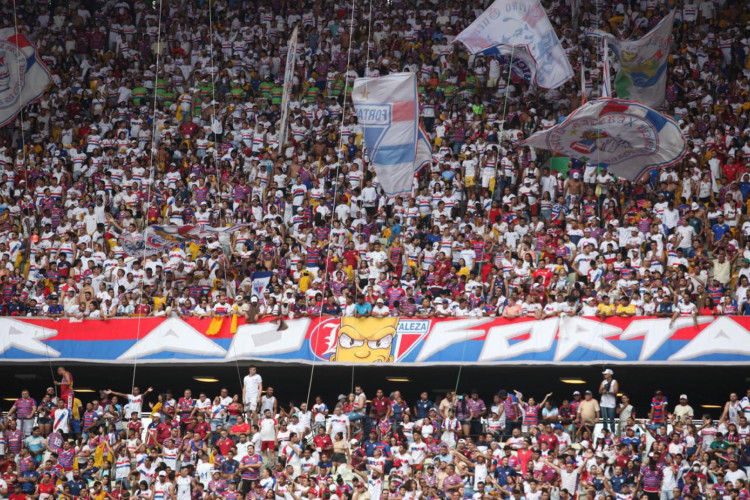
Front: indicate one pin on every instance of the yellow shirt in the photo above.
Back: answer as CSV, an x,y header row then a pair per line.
x,y
628,309
76,405
607,309
304,281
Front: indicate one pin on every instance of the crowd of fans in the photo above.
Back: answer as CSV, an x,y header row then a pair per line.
x,y
594,445
168,114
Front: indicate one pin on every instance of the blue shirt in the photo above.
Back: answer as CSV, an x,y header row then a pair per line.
x,y
77,486
719,230
363,309
423,408
229,466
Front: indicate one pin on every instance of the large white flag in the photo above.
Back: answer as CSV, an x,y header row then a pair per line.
x,y
387,112
23,76
523,29
643,63
291,57
626,136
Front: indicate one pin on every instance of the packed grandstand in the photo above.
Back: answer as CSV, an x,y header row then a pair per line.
x,y
183,445
490,228
162,128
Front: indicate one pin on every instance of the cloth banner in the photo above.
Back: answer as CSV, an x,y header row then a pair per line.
x,y
643,63
624,136
572,340
23,76
291,57
387,111
523,29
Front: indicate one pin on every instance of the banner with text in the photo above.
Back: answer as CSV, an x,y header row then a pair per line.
x,y
406,341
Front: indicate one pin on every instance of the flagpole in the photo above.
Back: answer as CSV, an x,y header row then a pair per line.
x,y
606,81
505,106
583,83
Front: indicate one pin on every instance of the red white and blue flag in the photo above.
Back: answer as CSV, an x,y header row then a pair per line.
x,y
522,30
626,136
387,111
23,75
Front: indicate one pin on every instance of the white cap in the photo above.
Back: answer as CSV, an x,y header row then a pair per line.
x,y
608,372
683,396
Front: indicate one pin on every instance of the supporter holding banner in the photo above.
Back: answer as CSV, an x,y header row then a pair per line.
x,y
522,30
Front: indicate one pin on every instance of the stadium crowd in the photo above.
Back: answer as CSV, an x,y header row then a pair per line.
x,y
168,115
250,445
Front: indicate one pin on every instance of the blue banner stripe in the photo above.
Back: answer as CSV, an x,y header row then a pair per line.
x,y
394,155
655,118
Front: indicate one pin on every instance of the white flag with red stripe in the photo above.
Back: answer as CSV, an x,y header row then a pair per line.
x,y
387,111
23,75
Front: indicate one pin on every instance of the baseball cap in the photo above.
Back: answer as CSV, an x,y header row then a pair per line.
x,y
576,393
162,473
608,371
683,396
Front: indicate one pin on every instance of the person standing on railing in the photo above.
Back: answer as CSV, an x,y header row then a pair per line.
x,y
66,386
608,389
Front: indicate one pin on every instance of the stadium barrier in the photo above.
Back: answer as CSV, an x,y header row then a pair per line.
x,y
403,341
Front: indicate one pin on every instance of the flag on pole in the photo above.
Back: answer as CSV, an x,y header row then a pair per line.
x,y
626,136
291,57
524,28
643,63
583,84
261,279
387,112
23,76
606,89
424,150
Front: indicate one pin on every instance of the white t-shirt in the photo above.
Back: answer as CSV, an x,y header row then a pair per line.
x,y
252,385
608,399
267,428
339,423
183,487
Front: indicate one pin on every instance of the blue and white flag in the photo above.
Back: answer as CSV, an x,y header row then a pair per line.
x,y
520,28
626,136
23,76
387,112
260,282
424,149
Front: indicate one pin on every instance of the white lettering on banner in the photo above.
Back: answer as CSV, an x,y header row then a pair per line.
x,y
723,335
262,339
413,326
656,331
173,335
374,114
26,337
541,339
589,334
446,333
